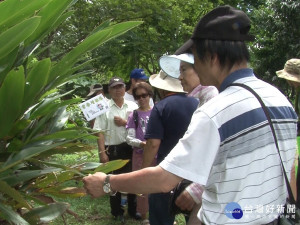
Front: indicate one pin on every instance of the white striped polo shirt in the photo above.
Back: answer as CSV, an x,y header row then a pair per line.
x,y
230,149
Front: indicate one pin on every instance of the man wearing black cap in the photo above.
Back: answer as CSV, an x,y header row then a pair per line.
x,y
229,147
112,141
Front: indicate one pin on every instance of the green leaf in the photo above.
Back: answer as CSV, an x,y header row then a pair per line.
x,y
52,179
49,15
69,148
11,38
7,63
26,154
60,135
51,107
14,194
15,11
60,118
111,166
66,63
11,216
19,126
91,42
62,192
90,165
35,81
46,213
121,28
20,176
11,97
33,151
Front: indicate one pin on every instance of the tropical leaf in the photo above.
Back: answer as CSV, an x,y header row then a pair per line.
x,y
111,166
14,194
11,98
59,120
69,148
52,179
27,153
6,63
50,106
46,213
35,81
11,38
11,216
15,11
66,63
20,176
49,15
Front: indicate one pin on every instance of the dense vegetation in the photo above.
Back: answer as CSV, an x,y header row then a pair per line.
x,y
52,50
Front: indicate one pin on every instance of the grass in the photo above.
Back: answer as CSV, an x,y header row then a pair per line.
x,y
90,211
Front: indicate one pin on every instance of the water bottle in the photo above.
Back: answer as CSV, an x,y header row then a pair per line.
x,y
123,199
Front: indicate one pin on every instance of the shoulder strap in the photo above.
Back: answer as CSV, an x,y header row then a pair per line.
x,y
136,118
266,111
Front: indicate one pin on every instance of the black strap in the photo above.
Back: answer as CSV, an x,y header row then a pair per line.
x,y
136,118
266,111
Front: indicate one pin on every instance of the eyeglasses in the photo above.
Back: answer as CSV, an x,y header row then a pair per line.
x,y
137,97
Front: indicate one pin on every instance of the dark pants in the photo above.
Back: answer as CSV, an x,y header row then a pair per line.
x,y
121,151
159,209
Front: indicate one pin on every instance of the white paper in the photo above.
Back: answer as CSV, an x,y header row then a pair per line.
x,y
94,107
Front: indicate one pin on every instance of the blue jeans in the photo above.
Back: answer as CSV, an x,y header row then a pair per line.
x,y
159,209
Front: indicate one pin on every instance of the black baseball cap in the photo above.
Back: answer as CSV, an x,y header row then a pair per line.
x,y
115,81
222,23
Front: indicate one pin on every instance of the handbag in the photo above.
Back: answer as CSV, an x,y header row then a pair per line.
x,y
173,208
291,215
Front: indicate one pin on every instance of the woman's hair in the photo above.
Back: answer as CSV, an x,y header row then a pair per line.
x,y
144,86
228,52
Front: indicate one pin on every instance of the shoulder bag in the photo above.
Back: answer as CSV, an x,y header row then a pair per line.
x,y
173,208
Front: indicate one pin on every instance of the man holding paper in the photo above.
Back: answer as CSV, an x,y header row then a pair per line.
x,y
112,140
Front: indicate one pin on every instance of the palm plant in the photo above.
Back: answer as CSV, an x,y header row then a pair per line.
x,y
33,112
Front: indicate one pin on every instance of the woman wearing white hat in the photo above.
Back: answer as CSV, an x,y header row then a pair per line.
x,y
168,122
182,67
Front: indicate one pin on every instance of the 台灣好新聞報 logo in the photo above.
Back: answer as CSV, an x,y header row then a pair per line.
x,y
233,211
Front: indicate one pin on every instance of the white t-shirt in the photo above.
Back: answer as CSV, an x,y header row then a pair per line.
x,y
229,148
114,134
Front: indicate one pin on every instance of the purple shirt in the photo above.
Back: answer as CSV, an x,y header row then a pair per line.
x,y
143,119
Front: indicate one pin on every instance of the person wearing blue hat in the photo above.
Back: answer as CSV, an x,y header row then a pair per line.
x,y
137,75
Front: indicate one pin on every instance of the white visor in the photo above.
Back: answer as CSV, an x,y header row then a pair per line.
x,y
170,64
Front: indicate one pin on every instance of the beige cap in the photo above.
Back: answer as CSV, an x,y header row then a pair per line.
x,y
165,82
291,70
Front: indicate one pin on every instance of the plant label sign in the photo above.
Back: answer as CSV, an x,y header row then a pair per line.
x,y
94,107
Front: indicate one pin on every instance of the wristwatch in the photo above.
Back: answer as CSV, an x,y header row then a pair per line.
x,y
107,188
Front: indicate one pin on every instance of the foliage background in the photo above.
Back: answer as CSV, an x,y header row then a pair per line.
x,y
51,51
167,25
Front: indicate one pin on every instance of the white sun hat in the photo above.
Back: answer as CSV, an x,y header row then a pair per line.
x,y
170,64
165,82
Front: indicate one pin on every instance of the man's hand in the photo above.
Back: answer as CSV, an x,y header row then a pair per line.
x,y
143,144
119,121
103,157
93,184
185,201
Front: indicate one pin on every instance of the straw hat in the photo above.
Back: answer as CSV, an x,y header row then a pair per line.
x,y
291,70
94,89
165,82
170,64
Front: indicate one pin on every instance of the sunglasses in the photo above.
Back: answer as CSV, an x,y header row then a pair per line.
x,y
137,97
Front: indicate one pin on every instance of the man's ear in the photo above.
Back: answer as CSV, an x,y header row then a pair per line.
x,y
214,60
